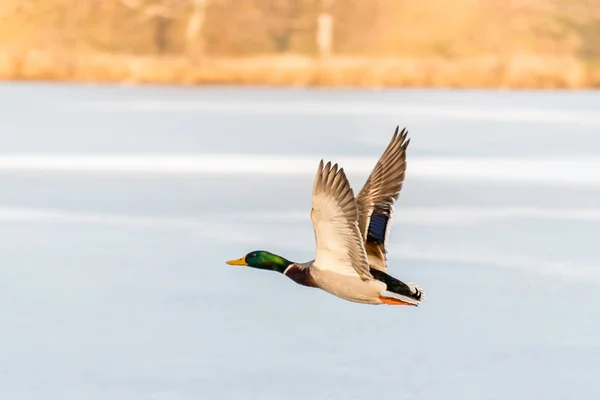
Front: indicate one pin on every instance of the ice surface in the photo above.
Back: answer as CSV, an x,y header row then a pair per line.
x,y
112,277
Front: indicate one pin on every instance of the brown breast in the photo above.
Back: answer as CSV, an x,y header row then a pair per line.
x,y
300,274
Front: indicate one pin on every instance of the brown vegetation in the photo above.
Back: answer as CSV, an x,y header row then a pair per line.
x,y
383,43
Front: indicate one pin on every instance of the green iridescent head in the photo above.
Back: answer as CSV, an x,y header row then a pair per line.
x,y
262,260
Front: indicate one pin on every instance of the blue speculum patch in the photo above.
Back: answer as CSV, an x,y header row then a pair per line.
x,y
376,233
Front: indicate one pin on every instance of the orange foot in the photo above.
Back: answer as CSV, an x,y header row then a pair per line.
x,y
395,302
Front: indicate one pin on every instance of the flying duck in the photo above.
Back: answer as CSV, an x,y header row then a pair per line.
x,y
351,235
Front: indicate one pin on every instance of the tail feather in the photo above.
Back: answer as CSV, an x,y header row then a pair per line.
x,y
409,293
419,293
414,299
398,299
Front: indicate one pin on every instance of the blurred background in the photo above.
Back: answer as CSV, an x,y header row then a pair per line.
x,y
458,43
144,143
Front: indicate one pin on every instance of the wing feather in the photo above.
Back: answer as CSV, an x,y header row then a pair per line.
x,y
376,199
334,216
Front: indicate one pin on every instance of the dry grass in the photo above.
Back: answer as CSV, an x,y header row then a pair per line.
x,y
428,43
521,71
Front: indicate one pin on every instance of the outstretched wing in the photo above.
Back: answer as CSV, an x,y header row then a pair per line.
x,y
334,215
376,199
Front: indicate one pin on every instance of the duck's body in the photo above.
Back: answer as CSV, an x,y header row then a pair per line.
x,y
351,235
352,288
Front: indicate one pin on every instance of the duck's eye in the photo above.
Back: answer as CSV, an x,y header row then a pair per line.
x,y
253,255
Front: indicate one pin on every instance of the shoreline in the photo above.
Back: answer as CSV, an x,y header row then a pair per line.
x,y
476,72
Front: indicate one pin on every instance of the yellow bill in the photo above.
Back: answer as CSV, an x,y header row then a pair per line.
x,y
240,262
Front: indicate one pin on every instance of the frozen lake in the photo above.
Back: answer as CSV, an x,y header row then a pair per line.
x,y
120,205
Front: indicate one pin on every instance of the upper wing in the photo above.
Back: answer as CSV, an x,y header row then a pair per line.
x,y
335,221
376,199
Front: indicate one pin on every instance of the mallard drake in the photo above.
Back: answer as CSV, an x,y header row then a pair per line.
x,y
351,235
